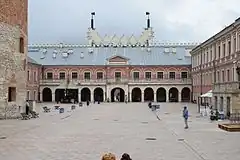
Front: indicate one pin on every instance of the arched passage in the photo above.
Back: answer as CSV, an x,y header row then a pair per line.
x,y
47,95
98,94
173,94
148,94
117,95
85,94
66,95
136,95
185,94
161,95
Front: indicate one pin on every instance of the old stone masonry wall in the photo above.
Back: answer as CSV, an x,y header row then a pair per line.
x,y
12,73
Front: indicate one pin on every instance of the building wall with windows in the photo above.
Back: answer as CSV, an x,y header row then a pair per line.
x,y
13,53
214,64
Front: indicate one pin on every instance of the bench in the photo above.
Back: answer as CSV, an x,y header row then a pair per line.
x,y
25,116
57,107
34,114
46,109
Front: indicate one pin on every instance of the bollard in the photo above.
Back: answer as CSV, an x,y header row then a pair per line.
x,y
73,107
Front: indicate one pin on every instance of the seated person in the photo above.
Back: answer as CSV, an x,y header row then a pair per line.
x,y
126,156
108,156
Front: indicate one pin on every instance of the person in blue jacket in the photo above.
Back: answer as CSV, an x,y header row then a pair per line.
x,y
185,116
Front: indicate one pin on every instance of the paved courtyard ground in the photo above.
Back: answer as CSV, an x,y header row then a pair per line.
x,y
88,132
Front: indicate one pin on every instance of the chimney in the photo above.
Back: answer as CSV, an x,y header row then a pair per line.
x,y
148,20
92,20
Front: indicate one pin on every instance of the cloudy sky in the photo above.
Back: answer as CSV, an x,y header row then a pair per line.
x,y
67,21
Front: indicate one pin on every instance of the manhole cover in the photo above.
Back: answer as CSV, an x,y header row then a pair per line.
x,y
166,113
3,137
144,122
180,139
96,119
151,139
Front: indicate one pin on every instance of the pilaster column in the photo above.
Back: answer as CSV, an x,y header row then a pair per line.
x,y
155,97
167,97
179,97
92,97
53,97
40,96
142,96
130,97
79,96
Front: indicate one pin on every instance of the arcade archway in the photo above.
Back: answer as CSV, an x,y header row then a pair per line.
x,y
148,94
173,94
47,95
66,95
117,95
136,95
161,95
185,94
98,94
85,95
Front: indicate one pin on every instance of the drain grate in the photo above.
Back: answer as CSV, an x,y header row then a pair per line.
x,y
3,137
144,122
65,117
96,119
180,139
151,139
115,120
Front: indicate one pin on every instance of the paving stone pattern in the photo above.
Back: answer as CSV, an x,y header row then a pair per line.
x,y
88,132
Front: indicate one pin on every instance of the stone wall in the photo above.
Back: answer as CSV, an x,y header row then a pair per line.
x,y
12,70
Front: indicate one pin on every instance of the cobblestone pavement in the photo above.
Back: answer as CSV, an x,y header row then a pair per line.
x,y
88,132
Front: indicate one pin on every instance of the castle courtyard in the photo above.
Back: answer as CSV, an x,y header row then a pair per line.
x,y
87,132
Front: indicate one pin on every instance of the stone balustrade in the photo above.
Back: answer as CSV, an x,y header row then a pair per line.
x,y
226,87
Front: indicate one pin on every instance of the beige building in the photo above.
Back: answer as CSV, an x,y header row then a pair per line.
x,y
214,67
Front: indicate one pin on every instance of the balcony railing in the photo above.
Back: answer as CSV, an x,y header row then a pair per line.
x,y
226,87
117,80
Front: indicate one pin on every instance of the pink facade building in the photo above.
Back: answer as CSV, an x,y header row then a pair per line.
x,y
111,68
214,67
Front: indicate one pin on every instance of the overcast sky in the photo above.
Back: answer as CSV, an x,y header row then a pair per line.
x,y
67,21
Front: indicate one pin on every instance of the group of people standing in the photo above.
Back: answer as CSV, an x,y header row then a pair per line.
x,y
110,156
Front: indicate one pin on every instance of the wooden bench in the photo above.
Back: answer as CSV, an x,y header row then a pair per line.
x,y
46,109
25,116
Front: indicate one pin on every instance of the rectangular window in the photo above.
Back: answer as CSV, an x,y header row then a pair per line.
x,y
12,94
148,75
34,95
74,75
28,75
35,76
159,75
228,75
99,75
219,52
224,50
21,45
229,47
233,74
234,44
172,75
28,95
49,75
218,76
223,76
87,75
136,75
184,75
62,75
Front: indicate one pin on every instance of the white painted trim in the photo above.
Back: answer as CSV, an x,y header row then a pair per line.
x,y
115,74
100,72
62,72
87,72
145,74
49,72
169,74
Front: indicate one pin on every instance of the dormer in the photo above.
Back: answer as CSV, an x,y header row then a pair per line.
x,y
123,41
132,41
117,60
115,40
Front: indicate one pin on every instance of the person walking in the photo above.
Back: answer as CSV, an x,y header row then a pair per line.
x,y
185,116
